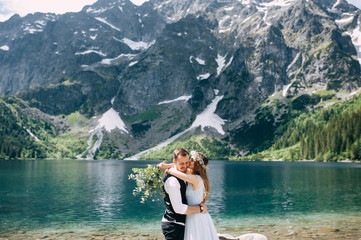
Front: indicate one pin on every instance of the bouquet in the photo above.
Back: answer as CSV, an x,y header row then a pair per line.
x,y
149,181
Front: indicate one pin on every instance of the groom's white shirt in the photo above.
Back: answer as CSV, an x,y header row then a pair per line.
x,y
172,187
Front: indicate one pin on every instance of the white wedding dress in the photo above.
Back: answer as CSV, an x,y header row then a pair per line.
x,y
199,226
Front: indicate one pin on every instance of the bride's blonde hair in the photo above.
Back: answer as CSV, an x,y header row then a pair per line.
x,y
201,170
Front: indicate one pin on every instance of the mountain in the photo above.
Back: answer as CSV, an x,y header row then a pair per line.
x,y
130,79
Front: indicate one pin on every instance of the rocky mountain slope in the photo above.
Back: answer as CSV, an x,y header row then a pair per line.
x,y
233,70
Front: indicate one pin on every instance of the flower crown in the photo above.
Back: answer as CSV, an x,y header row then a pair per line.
x,y
196,156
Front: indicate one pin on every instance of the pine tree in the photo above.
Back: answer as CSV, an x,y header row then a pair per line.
x,y
356,150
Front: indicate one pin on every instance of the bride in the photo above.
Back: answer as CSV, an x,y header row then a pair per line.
x,y
198,226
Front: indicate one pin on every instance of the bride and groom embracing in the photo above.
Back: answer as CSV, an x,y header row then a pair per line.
x,y
186,188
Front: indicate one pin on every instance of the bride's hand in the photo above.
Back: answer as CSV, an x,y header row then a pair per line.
x,y
205,210
161,166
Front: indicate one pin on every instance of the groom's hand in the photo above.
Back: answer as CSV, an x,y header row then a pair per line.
x,y
205,208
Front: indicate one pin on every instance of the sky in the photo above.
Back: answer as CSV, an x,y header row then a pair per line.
x,y
357,3
23,7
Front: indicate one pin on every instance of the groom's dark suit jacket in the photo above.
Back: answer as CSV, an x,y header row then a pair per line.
x,y
170,215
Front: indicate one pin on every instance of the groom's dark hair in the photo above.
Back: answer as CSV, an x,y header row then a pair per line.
x,y
180,151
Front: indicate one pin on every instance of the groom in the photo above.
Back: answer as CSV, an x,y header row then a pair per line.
x,y
173,222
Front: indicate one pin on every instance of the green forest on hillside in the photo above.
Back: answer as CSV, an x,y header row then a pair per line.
x,y
327,134
18,122
15,141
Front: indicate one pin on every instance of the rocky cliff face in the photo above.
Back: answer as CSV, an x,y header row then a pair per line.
x,y
41,49
161,64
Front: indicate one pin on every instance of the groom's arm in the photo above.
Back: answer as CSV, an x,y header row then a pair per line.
x,y
195,209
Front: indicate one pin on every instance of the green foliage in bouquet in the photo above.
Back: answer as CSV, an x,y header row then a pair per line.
x,y
149,181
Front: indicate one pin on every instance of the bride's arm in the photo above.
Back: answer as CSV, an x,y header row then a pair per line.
x,y
192,179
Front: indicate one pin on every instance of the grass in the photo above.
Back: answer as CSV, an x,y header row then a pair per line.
x,y
285,154
76,118
213,148
151,114
68,145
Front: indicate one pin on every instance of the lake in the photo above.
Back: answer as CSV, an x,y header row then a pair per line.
x,y
285,199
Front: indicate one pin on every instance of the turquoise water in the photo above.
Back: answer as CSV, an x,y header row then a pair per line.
x,y
45,194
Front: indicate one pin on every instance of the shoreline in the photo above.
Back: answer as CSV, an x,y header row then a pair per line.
x,y
271,231
323,227
231,160
302,160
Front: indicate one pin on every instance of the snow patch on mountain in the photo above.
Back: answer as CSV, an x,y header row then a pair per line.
x,y
356,39
132,63
285,89
336,4
136,45
278,3
92,149
221,60
96,11
42,23
199,60
229,63
225,30
225,24
209,119
181,98
109,61
293,61
203,76
32,135
5,48
245,2
265,7
103,20
248,18
139,2
32,30
91,51
264,10
38,25
110,121
344,20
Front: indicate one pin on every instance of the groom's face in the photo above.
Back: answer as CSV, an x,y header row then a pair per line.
x,y
182,163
